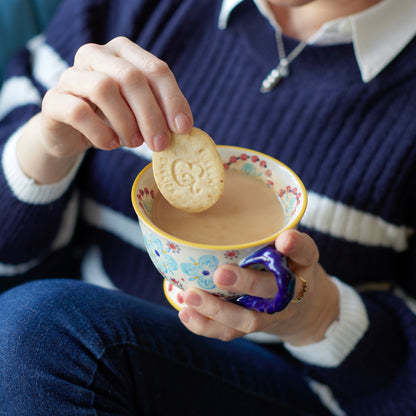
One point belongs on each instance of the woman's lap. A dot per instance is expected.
(69, 348)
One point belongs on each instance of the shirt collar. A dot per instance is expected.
(378, 34)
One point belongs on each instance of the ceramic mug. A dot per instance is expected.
(185, 264)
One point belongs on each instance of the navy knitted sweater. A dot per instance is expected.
(353, 144)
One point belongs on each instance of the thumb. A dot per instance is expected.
(299, 247)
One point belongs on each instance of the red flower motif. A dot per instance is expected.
(146, 191)
(141, 192)
(152, 193)
(254, 158)
(231, 254)
(174, 247)
(268, 173)
(243, 157)
(139, 197)
(263, 163)
(180, 298)
(288, 188)
(226, 165)
(233, 159)
(281, 192)
(271, 183)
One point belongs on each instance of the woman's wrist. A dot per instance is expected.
(35, 162)
(24, 188)
(340, 337)
(315, 313)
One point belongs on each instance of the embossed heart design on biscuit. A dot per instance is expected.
(187, 174)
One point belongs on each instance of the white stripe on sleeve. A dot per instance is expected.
(17, 92)
(47, 64)
(25, 189)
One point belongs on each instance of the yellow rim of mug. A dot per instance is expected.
(263, 241)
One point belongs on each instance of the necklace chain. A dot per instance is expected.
(282, 70)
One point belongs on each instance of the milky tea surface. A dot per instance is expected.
(249, 210)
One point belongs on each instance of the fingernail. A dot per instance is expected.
(184, 316)
(183, 123)
(136, 140)
(160, 141)
(227, 278)
(193, 299)
(115, 144)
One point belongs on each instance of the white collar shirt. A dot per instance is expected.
(378, 34)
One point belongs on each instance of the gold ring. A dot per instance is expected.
(305, 287)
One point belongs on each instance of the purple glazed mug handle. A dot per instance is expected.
(275, 262)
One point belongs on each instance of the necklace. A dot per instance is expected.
(282, 70)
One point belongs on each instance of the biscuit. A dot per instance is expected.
(189, 172)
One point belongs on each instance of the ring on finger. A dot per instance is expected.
(304, 290)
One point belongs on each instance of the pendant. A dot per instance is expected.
(275, 76)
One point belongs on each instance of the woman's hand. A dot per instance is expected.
(114, 95)
(299, 323)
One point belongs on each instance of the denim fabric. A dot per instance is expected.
(69, 348)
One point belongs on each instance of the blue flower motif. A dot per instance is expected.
(201, 270)
(250, 170)
(164, 263)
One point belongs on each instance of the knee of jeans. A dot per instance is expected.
(40, 319)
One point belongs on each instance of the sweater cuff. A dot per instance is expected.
(341, 336)
(24, 188)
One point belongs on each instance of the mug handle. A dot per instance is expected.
(275, 262)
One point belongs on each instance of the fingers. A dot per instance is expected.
(249, 281)
(215, 318)
(299, 247)
(115, 95)
(202, 325)
(144, 82)
(105, 95)
(120, 79)
(210, 316)
(163, 84)
(61, 110)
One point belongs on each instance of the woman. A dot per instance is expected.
(338, 110)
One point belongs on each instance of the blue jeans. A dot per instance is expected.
(70, 348)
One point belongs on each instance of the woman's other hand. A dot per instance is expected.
(299, 323)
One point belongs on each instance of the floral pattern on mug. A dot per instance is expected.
(290, 198)
(164, 263)
(173, 247)
(145, 199)
(252, 166)
(231, 254)
(202, 270)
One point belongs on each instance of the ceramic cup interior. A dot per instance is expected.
(185, 264)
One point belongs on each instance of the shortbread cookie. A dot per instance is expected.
(189, 172)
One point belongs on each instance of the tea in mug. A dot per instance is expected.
(249, 210)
